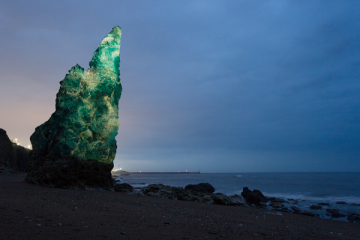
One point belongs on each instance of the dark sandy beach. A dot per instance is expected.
(30, 211)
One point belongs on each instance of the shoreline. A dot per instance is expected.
(83, 214)
(317, 207)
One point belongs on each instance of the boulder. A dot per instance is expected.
(296, 209)
(317, 207)
(341, 202)
(201, 187)
(276, 204)
(123, 187)
(354, 217)
(253, 197)
(221, 199)
(13, 158)
(163, 191)
(335, 213)
(76, 147)
(237, 200)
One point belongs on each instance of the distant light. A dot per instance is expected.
(15, 140)
(186, 170)
(29, 146)
(140, 170)
(120, 168)
(18, 143)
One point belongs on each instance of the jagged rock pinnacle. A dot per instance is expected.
(81, 132)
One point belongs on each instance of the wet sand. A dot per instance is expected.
(30, 211)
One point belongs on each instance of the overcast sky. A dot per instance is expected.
(219, 86)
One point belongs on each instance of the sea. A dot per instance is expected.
(307, 188)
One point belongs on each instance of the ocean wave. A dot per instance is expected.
(330, 199)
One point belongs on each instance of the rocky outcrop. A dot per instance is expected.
(335, 213)
(253, 197)
(201, 187)
(13, 158)
(191, 194)
(123, 187)
(76, 147)
(221, 199)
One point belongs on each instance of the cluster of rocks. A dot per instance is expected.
(202, 192)
(13, 158)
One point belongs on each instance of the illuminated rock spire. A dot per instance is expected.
(81, 132)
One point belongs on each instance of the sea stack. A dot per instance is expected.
(76, 147)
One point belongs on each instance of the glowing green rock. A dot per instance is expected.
(76, 146)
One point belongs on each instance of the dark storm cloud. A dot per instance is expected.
(236, 82)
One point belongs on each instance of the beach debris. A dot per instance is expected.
(76, 147)
(123, 187)
(253, 197)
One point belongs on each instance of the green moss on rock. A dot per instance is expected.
(82, 130)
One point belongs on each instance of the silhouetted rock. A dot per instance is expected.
(341, 202)
(335, 213)
(179, 193)
(324, 204)
(221, 199)
(354, 217)
(13, 158)
(76, 147)
(253, 197)
(164, 191)
(123, 187)
(201, 187)
(237, 200)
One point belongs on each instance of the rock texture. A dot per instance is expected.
(253, 197)
(76, 147)
(13, 158)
